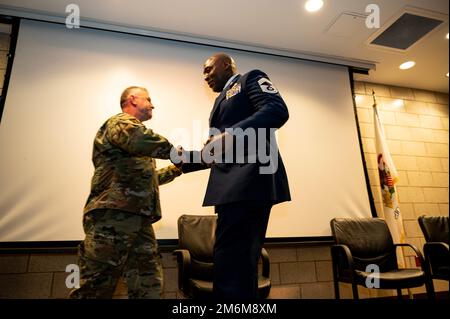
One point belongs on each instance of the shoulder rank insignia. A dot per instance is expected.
(267, 86)
(235, 89)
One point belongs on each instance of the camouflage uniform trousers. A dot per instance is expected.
(118, 243)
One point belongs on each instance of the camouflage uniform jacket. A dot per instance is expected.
(125, 176)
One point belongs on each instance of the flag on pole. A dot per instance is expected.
(388, 178)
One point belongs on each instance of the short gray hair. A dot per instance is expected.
(128, 91)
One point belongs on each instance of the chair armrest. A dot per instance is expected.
(436, 254)
(425, 267)
(414, 248)
(265, 263)
(342, 250)
(337, 249)
(435, 246)
(184, 266)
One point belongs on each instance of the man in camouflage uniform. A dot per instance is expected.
(123, 204)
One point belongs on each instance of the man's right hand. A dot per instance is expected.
(178, 156)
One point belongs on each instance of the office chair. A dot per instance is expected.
(436, 250)
(363, 245)
(196, 235)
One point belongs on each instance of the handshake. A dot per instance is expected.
(215, 146)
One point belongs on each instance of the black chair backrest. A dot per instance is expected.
(196, 233)
(435, 228)
(369, 241)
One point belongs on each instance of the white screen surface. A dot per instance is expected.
(66, 82)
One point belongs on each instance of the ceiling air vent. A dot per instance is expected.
(407, 29)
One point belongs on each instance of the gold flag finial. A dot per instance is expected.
(374, 99)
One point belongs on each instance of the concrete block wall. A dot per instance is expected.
(416, 128)
(4, 50)
(301, 272)
(296, 272)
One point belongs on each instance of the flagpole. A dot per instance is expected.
(401, 257)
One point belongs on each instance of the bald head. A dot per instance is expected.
(217, 70)
(226, 60)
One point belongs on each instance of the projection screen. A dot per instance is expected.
(66, 82)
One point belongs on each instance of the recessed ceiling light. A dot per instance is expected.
(446, 74)
(447, 36)
(407, 65)
(313, 5)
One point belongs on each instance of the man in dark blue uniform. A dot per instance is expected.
(248, 177)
